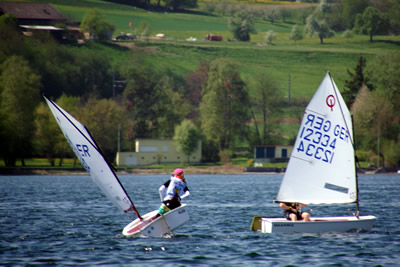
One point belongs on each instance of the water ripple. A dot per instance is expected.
(65, 220)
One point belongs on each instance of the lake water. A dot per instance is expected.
(65, 220)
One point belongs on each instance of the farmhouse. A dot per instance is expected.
(156, 151)
(33, 13)
(33, 18)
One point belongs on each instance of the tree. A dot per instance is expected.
(96, 25)
(385, 73)
(296, 33)
(372, 22)
(373, 121)
(318, 27)
(209, 7)
(284, 14)
(144, 29)
(241, 25)
(187, 137)
(154, 102)
(317, 23)
(266, 101)
(350, 9)
(169, 108)
(46, 132)
(194, 82)
(9, 31)
(139, 96)
(225, 104)
(102, 118)
(358, 79)
(271, 14)
(19, 96)
(270, 36)
(348, 34)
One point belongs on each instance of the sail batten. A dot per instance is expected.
(91, 157)
(321, 168)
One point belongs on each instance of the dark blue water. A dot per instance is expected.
(65, 220)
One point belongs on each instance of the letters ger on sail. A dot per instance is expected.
(321, 168)
(90, 156)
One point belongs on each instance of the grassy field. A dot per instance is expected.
(306, 61)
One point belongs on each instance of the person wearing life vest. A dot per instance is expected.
(172, 191)
(292, 211)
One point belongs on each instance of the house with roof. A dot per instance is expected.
(33, 13)
(39, 17)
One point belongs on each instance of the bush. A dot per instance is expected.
(250, 163)
(225, 156)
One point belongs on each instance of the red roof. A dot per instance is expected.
(22, 10)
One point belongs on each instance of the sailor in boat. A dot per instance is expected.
(172, 191)
(292, 211)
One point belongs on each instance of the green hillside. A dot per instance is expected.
(306, 61)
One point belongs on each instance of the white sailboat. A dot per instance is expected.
(321, 169)
(102, 173)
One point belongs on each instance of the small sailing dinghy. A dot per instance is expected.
(321, 168)
(102, 173)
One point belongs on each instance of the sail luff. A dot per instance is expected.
(94, 161)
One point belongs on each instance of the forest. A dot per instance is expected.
(117, 89)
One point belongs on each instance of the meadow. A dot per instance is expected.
(305, 61)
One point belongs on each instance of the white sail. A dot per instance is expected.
(91, 157)
(321, 168)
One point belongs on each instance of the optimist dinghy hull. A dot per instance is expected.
(316, 225)
(159, 227)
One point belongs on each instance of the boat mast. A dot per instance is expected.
(354, 148)
(356, 162)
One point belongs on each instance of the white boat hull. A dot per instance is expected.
(159, 227)
(316, 225)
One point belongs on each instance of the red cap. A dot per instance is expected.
(178, 172)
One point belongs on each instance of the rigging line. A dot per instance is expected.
(97, 148)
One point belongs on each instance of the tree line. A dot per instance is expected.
(211, 103)
(329, 17)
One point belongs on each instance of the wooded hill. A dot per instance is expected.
(149, 86)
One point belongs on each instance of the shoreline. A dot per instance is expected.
(225, 169)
